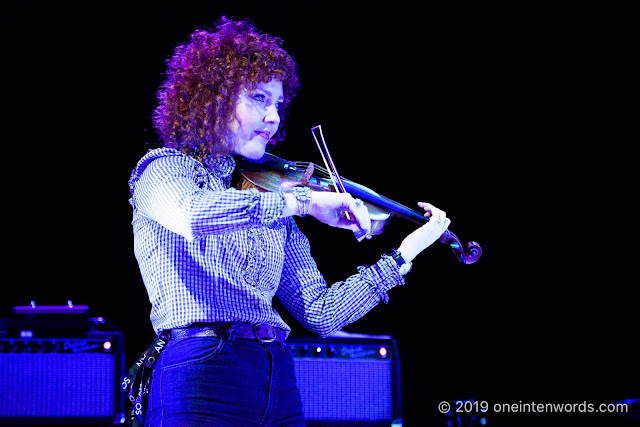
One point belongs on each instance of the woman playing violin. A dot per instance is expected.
(213, 257)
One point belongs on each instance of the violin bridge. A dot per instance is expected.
(307, 175)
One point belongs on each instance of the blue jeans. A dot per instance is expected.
(209, 381)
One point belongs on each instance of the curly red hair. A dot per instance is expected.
(203, 79)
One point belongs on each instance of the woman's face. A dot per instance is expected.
(256, 119)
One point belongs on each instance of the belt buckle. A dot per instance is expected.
(255, 333)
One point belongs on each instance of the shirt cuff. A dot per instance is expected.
(382, 276)
(266, 207)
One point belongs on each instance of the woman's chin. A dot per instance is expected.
(251, 151)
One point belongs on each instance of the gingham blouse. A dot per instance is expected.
(209, 253)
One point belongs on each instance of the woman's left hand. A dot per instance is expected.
(426, 235)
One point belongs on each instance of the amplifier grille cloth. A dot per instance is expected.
(57, 385)
(339, 389)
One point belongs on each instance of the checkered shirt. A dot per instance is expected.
(210, 253)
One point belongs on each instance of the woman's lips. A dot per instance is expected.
(266, 135)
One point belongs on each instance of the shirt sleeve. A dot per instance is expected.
(325, 309)
(171, 192)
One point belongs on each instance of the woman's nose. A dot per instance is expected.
(272, 115)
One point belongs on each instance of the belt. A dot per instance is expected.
(259, 331)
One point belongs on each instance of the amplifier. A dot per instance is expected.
(348, 381)
(62, 380)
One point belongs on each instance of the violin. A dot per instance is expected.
(271, 173)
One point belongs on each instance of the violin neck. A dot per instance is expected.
(395, 208)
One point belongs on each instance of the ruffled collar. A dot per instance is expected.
(221, 166)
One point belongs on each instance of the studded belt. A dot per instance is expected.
(258, 331)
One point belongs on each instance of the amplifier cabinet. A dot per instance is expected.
(62, 380)
(348, 381)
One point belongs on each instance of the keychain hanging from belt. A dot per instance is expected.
(137, 379)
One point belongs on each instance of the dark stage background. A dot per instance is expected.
(492, 112)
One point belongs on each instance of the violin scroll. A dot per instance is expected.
(468, 255)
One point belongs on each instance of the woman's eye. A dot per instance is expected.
(259, 97)
(279, 106)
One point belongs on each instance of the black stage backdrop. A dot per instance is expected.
(505, 116)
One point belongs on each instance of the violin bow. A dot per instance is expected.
(316, 131)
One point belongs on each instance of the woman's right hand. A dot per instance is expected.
(340, 210)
